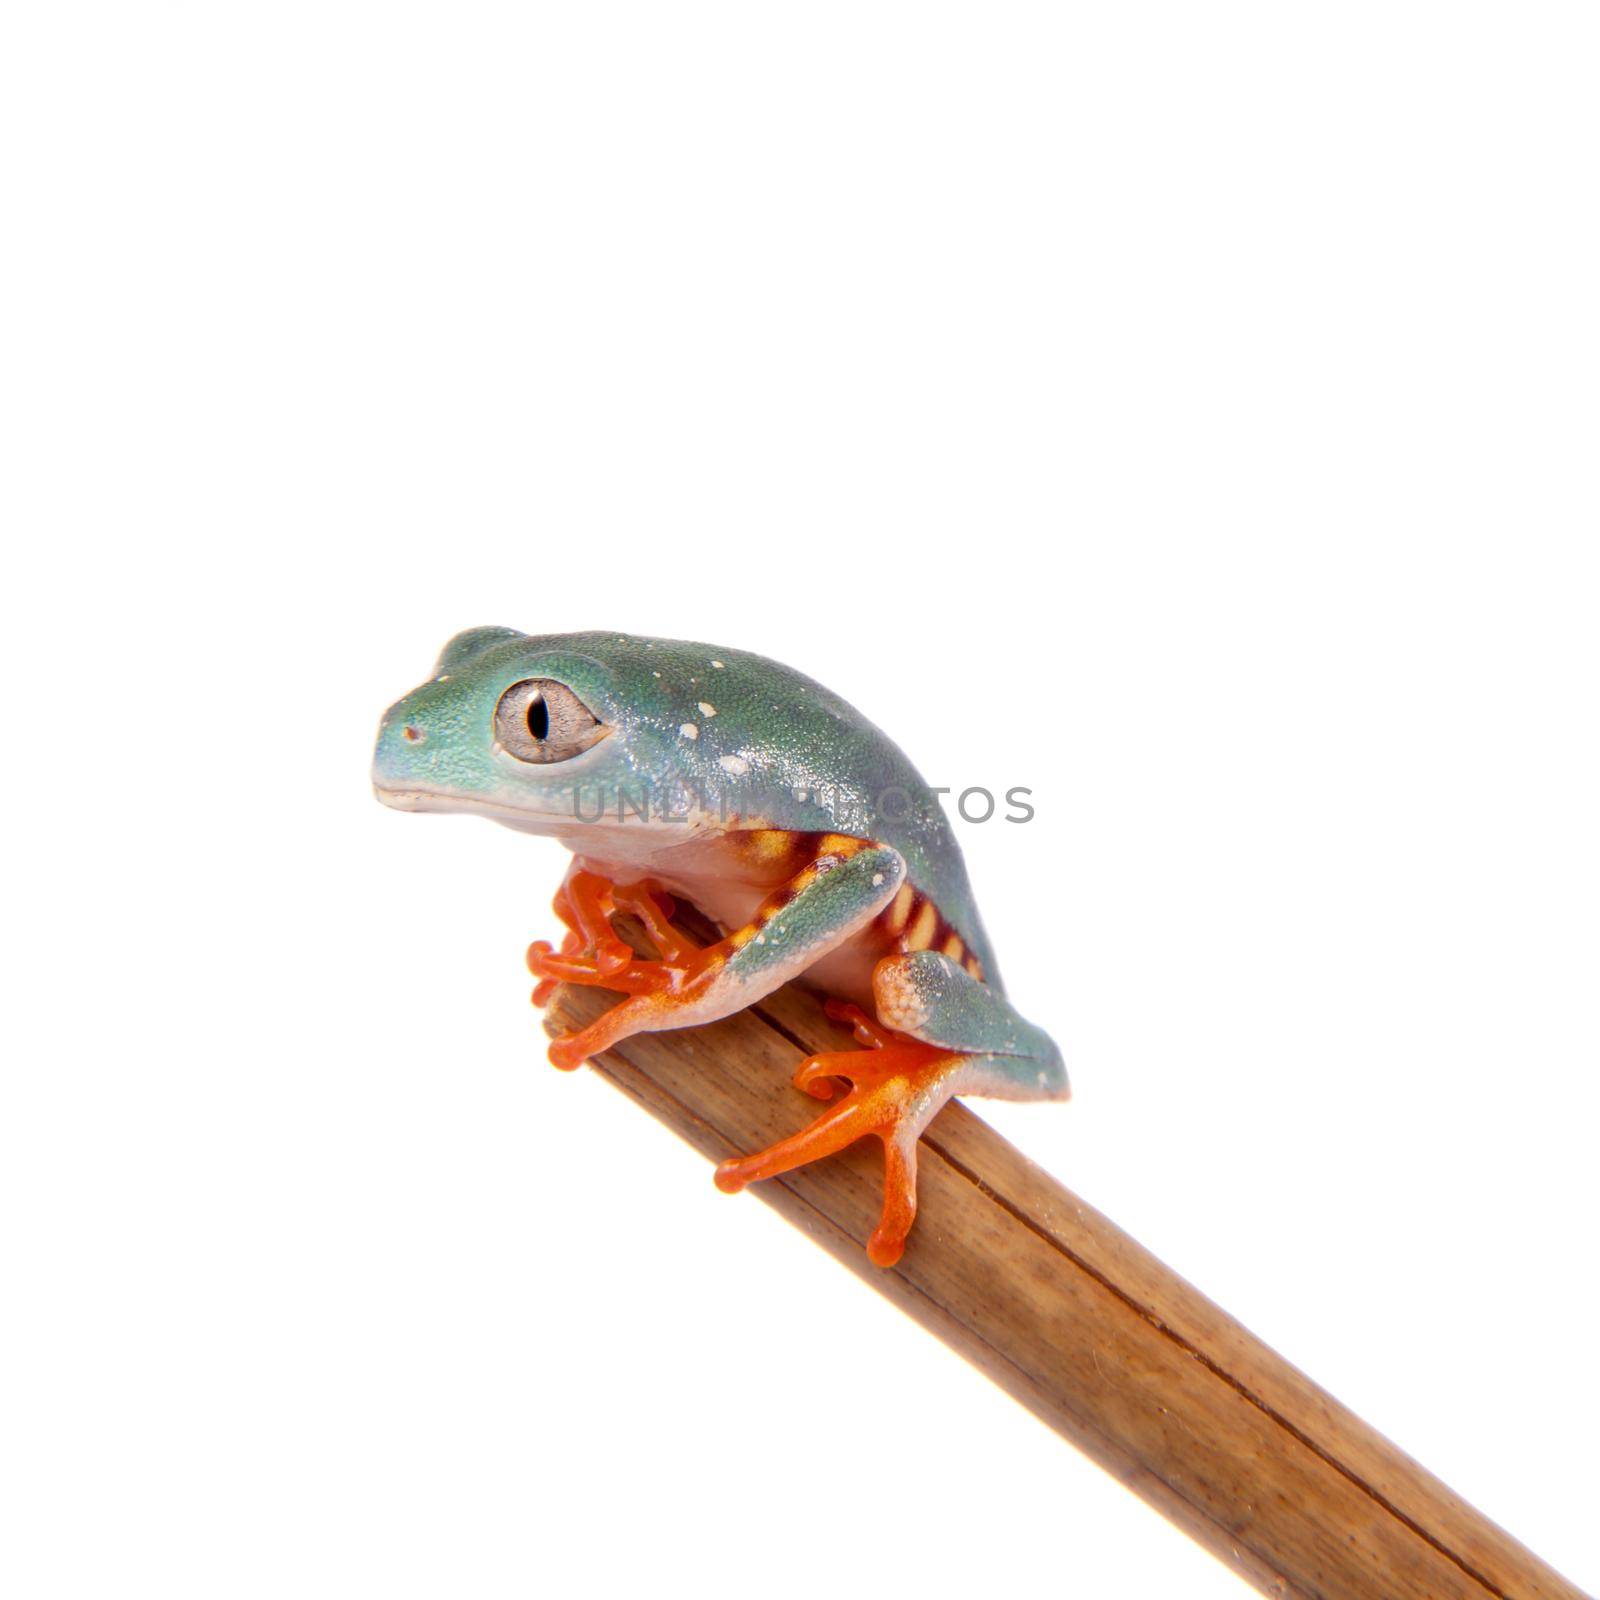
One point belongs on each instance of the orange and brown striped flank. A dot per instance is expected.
(821, 852)
(912, 921)
(774, 852)
(782, 852)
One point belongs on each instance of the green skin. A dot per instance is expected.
(702, 741)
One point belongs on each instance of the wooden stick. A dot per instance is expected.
(1088, 1330)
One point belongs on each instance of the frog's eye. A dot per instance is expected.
(542, 720)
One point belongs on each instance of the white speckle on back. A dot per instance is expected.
(689, 731)
(655, 674)
(801, 794)
(737, 765)
(717, 665)
(877, 878)
(707, 709)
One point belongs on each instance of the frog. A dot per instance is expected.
(676, 772)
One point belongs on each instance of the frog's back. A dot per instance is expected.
(768, 747)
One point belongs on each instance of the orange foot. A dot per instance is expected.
(898, 1085)
(592, 954)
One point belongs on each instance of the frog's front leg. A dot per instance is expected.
(942, 1033)
(592, 954)
(846, 884)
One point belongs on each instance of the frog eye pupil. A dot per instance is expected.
(539, 718)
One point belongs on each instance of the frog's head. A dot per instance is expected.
(520, 728)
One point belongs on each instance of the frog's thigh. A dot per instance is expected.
(831, 900)
(928, 996)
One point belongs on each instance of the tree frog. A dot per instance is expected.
(672, 769)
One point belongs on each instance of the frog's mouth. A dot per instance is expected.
(400, 797)
(623, 837)
(409, 799)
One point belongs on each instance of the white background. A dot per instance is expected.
(1189, 412)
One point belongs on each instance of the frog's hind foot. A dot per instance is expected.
(592, 955)
(938, 1032)
(897, 1086)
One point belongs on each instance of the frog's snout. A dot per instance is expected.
(395, 762)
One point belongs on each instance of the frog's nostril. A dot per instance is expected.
(412, 733)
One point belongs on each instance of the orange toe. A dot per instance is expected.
(895, 1091)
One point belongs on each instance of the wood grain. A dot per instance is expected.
(1087, 1329)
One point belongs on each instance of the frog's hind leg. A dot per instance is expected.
(943, 1033)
